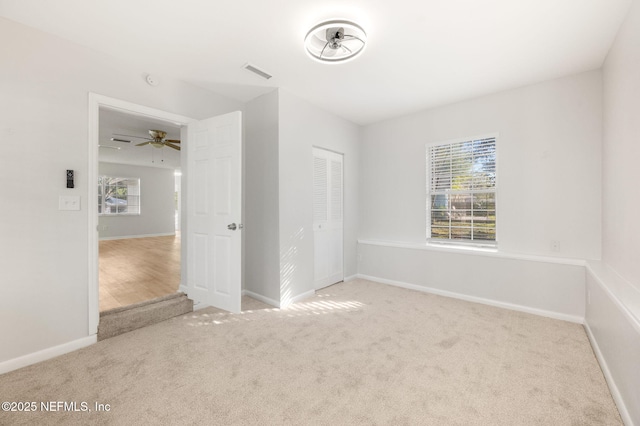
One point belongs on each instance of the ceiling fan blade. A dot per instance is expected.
(120, 140)
(352, 37)
(170, 145)
(131, 136)
(323, 49)
(172, 140)
(143, 143)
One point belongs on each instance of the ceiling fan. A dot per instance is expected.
(156, 140)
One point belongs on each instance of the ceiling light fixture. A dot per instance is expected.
(335, 41)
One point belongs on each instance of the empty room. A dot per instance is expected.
(306, 212)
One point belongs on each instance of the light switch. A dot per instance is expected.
(69, 202)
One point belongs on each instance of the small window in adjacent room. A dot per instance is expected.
(461, 191)
(118, 196)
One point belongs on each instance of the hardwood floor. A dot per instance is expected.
(138, 269)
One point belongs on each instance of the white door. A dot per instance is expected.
(214, 200)
(327, 217)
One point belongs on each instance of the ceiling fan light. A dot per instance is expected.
(335, 41)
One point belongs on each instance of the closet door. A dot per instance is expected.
(328, 217)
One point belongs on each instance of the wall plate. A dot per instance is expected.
(69, 202)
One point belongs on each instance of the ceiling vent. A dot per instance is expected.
(258, 71)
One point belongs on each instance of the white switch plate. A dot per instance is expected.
(69, 202)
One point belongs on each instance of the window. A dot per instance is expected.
(461, 191)
(118, 196)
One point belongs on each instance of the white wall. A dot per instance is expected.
(157, 202)
(548, 189)
(303, 126)
(45, 83)
(543, 288)
(613, 316)
(548, 166)
(621, 149)
(261, 225)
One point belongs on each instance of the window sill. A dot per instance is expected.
(486, 248)
(473, 251)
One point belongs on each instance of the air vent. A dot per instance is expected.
(258, 71)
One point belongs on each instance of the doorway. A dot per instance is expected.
(139, 239)
(211, 268)
(96, 104)
(328, 213)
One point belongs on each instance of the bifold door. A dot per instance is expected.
(328, 209)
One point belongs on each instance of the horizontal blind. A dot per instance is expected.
(463, 166)
(461, 190)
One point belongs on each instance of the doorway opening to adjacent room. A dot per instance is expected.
(139, 167)
(210, 202)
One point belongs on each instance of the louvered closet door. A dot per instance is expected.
(328, 217)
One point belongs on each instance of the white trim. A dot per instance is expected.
(613, 275)
(474, 251)
(297, 298)
(95, 101)
(126, 237)
(261, 298)
(615, 392)
(490, 302)
(92, 209)
(182, 288)
(350, 278)
(45, 354)
(199, 305)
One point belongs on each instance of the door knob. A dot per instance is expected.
(232, 226)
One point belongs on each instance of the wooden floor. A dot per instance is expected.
(137, 269)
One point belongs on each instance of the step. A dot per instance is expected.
(127, 318)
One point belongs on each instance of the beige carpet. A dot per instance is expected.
(356, 353)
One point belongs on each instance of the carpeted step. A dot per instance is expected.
(122, 320)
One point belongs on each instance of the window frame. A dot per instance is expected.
(101, 205)
(480, 244)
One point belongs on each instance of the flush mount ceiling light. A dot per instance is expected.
(335, 41)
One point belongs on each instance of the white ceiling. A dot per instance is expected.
(115, 122)
(420, 53)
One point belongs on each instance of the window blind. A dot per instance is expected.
(461, 190)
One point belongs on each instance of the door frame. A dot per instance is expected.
(97, 101)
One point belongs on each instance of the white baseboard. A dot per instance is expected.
(615, 392)
(261, 298)
(491, 302)
(183, 289)
(303, 296)
(350, 278)
(199, 305)
(125, 237)
(297, 298)
(45, 354)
